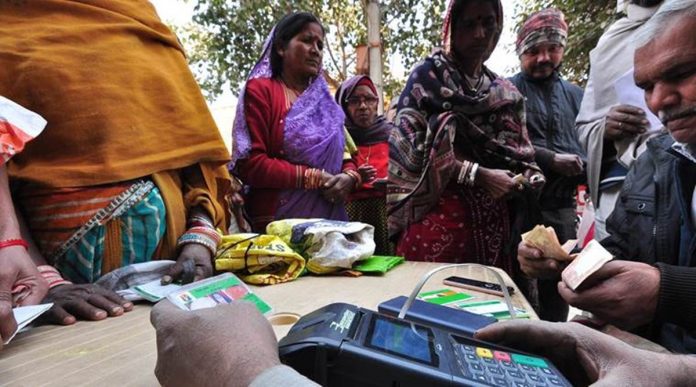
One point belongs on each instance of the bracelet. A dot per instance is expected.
(463, 172)
(199, 239)
(200, 221)
(14, 242)
(472, 175)
(355, 175)
(208, 232)
(312, 178)
(52, 276)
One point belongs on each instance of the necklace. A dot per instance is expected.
(469, 84)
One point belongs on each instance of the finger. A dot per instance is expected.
(524, 335)
(528, 252)
(174, 272)
(103, 303)
(332, 182)
(37, 294)
(164, 313)
(629, 109)
(81, 308)
(115, 298)
(8, 325)
(202, 272)
(57, 315)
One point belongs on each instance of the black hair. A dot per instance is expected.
(646, 3)
(285, 30)
(458, 8)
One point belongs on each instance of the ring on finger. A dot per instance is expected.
(620, 125)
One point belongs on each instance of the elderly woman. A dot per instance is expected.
(461, 152)
(358, 98)
(288, 134)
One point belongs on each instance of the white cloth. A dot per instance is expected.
(612, 58)
(281, 375)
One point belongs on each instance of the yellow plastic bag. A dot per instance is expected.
(259, 259)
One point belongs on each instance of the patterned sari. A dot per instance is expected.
(440, 121)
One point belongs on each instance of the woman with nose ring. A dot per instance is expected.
(461, 163)
(289, 144)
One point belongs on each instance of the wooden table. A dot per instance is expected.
(122, 352)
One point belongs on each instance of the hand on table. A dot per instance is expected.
(88, 302)
(338, 187)
(586, 356)
(535, 265)
(567, 164)
(621, 293)
(227, 345)
(193, 264)
(625, 121)
(17, 269)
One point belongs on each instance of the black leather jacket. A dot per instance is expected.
(651, 224)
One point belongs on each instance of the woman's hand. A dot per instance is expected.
(193, 264)
(337, 188)
(498, 182)
(367, 172)
(88, 302)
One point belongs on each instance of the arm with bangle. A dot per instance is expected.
(20, 281)
(197, 248)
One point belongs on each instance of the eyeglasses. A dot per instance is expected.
(357, 101)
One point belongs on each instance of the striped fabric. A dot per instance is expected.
(137, 236)
(54, 215)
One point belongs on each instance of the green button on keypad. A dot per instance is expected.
(528, 360)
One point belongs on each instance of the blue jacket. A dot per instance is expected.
(651, 223)
(551, 106)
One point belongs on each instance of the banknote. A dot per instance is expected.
(590, 259)
(545, 239)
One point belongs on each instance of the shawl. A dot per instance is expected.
(114, 85)
(438, 117)
(378, 131)
(611, 59)
(313, 136)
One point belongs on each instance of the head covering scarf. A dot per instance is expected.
(545, 26)
(379, 130)
(313, 136)
(437, 113)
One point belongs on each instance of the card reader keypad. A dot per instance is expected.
(505, 369)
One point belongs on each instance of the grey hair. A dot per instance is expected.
(667, 14)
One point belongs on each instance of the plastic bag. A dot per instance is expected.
(259, 259)
(17, 127)
(328, 245)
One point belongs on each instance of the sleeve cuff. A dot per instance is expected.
(281, 375)
(544, 158)
(676, 303)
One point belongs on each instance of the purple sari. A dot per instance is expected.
(313, 136)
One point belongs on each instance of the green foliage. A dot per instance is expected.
(587, 20)
(226, 37)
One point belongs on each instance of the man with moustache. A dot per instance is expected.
(654, 222)
(551, 106)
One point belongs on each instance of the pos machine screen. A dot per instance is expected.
(402, 339)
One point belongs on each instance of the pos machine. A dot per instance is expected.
(344, 345)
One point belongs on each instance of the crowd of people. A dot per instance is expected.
(131, 168)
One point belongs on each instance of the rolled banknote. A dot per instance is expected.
(591, 259)
(546, 240)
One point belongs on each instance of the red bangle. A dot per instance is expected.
(14, 242)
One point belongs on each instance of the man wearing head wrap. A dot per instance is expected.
(551, 107)
(612, 134)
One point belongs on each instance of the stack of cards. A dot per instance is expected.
(222, 289)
